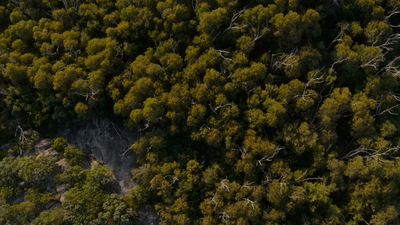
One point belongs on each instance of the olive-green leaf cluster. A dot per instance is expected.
(250, 112)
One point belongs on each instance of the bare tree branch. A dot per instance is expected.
(284, 60)
(392, 13)
(204, 126)
(246, 185)
(267, 158)
(223, 216)
(221, 52)
(174, 178)
(256, 33)
(215, 109)
(223, 185)
(71, 4)
(213, 200)
(339, 37)
(314, 79)
(374, 61)
(249, 201)
(146, 125)
(392, 67)
(366, 152)
(388, 110)
(233, 24)
(194, 5)
(243, 151)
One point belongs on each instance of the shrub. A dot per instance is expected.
(75, 156)
(58, 143)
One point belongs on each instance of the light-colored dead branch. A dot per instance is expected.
(246, 185)
(242, 151)
(146, 125)
(269, 158)
(389, 110)
(223, 185)
(215, 109)
(257, 32)
(226, 51)
(194, 5)
(392, 13)
(286, 60)
(339, 37)
(224, 216)
(233, 24)
(367, 152)
(315, 78)
(212, 201)
(204, 126)
(392, 67)
(71, 4)
(248, 201)
(173, 180)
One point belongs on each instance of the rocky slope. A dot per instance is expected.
(107, 144)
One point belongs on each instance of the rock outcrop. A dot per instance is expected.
(42, 145)
(148, 215)
(109, 145)
(105, 143)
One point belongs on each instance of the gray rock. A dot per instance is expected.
(62, 198)
(26, 154)
(42, 145)
(16, 199)
(49, 152)
(52, 204)
(61, 165)
(148, 215)
(53, 191)
(109, 145)
(61, 189)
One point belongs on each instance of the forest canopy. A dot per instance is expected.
(250, 112)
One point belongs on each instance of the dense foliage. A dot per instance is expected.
(31, 187)
(251, 112)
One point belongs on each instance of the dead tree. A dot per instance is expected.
(71, 4)
(248, 201)
(388, 110)
(146, 125)
(257, 32)
(242, 151)
(284, 60)
(224, 216)
(205, 126)
(268, 158)
(392, 67)
(215, 109)
(221, 52)
(90, 91)
(212, 201)
(246, 185)
(374, 61)
(315, 78)
(339, 37)
(173, 180)
(307, 179)
(194, 5)
(223, 185)
(233, 24)
(365, 151)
